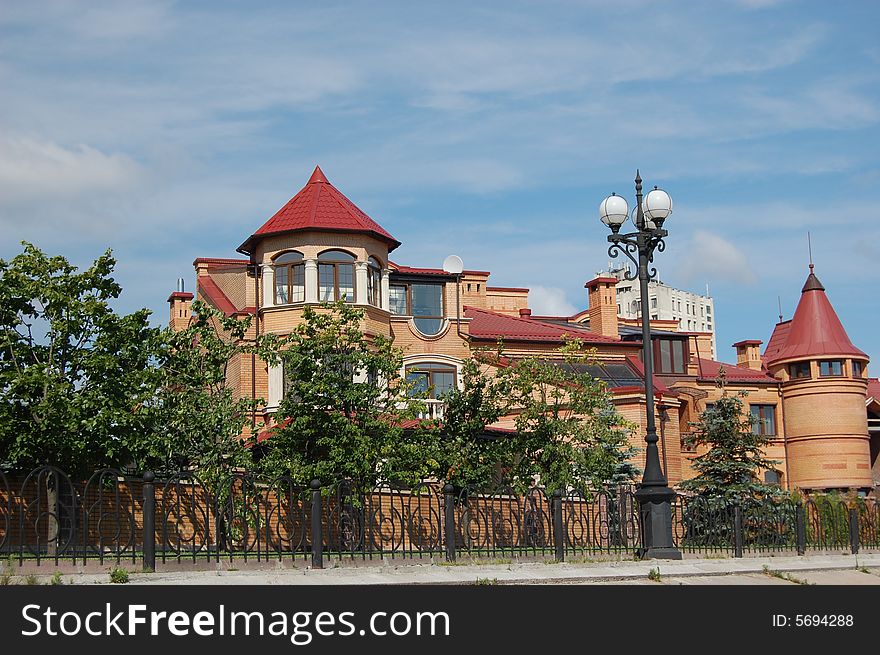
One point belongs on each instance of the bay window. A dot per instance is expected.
(424, 302)
(289, 278)
(336, 276)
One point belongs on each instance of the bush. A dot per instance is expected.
(119, 576)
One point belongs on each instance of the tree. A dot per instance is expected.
(72, 372)
(729, 469)
(197, 421)
(569, 433)
(466, 455)
(345, 406)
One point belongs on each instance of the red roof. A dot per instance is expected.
(815, 330)
(220, 261)
(709, 369)
(639, 367)
(210, 291)
(180, 295)
(600, 280)
(414, 270)
(874, 390)
(319, 206)
(493, 326)
(777, 340)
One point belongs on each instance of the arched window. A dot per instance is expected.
(336, 276)
(374, 282)
(290, 278)
(434, 378)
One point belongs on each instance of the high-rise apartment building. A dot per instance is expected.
(694, 312)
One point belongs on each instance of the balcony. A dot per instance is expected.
(434, 409)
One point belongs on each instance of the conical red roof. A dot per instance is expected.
(815, 330)
(319, 206)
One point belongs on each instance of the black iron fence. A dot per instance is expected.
(47, 517)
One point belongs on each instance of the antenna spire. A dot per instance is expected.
(779, 300)
(810, 250)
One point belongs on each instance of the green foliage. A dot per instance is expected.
(466, 456)
(31, 580)
(568, 432)
(196, 419)
(729, 469)
(345, 405)
(654, 574)
(56, 579)
(85, 388)
(119, 576)
(72, 371)
(6, 575)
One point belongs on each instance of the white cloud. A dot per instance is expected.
(549, 301)
(712, 257)
(35, 168)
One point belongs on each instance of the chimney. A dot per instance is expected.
(525, 312)
(180, 307)
(602, 295)
(748, 354)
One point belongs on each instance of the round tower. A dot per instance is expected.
(823, 396)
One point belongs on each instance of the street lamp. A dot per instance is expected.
(654, 495)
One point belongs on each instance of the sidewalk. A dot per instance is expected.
(814, 569)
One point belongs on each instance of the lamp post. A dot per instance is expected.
(654, 495)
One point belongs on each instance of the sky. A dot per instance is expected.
(492, 130)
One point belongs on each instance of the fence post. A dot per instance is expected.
(623, 515)
(149, 522)
(854, 530)
(317, 535)
(558, 530)
(737, 530)
(449, 521)
(801, 528)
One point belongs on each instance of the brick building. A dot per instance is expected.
(808, 390)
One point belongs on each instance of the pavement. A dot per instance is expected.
(837, 569)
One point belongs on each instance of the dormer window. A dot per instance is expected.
(670, 356)
(336, 276)
(289, 278)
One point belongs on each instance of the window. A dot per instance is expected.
(799, 370)
(374, 282)
(397, 299)
(289, 278)
(708, 311)
(856, 369)
(653, 303)
(424, 302)
(336, 276)
(670, 356)
(773, 477)
(433, 379)
(830, 368)
(764, 420)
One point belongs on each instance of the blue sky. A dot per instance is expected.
(169, 131)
